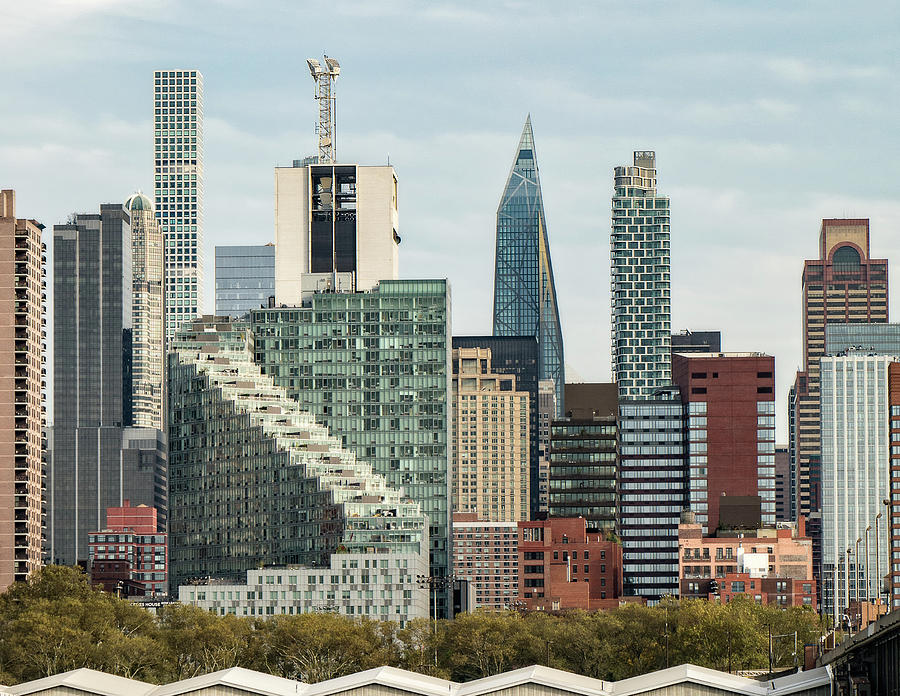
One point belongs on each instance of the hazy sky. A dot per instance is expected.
(765, 117)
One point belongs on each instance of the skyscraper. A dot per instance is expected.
(640, 280)
(845, 286)
(96, 461)
(245, 278)
(21, 404)
(524, 289)
(178, 168)
(147, 314)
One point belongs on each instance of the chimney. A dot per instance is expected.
(7, 203)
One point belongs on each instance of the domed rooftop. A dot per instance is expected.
(138, 201)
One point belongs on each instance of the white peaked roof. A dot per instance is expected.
(88, 680)
(253, 683)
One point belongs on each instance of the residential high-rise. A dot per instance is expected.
(856, 471)
(783, 508)
(524, 289)
(374, 367)
(21, 404)
(96, 461)
(546, 413)
(843, 286)
(517, 356)
(891, 517)
(178, 181)
(489, 440)
(652, 461)
(729, 401)
(640, 280)
(147, 336)
(486, 555)
(336, 228)
(255, 479)
(245, 278)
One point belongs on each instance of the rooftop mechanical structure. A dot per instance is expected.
(325, 77)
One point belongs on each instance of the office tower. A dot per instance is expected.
(582, 479)
(97, 461)
(336, 227)
(687, 341)
(640, 281)
(147, 314)
(178, 169)
(21, 405)
(652, 491)
(856, 441)
(783, 492)
(488, 440)
(843, 286)
(546, 413)
(486, 554)
(729, 401)
(129, 557)
(524, 289)
(374, 367)
(255, 480)
(245, 278)
(518, 356)
(881, 339)
(563, 565)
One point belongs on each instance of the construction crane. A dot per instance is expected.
(324, 77)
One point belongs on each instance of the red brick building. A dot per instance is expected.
(785, 592)
(562, 566)
(129, 557)
(486, 554)
(730, 407)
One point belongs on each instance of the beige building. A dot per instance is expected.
(489, 439)
(146, 314)
(335, 228)
(21, 406)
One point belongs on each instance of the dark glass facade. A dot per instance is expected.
(245, 278)
(519, 356)
(524, 289)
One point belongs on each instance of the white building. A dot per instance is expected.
(335, 228)
(640, 281)
(178, 182)
(855, 475)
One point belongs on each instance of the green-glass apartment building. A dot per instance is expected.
(374, 367)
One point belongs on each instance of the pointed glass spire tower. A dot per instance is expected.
(524, 290)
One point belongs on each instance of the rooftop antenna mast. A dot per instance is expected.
(325, 77)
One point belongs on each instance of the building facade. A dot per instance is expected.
(855, 437)
(131, 549)
(148, 334)
(245, 278)
(843, 286)
(564, 566)
(178, 181)
(524, 288)
(336, 228)
(489, 440)
(652, 463)
(687, 341)
(21, 405)
(729, 401)
(783, 491)
(545, 415)
(640, 280)
(374, 367)
(774, 566)
(518, 356)
(255, 479)
(486, 554)
(891, 519)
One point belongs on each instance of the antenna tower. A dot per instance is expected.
(324, 77)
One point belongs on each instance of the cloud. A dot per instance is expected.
(808, 72)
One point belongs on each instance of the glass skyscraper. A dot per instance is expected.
(640, 281)
(245, 278)
(524, 289)
(374, 367)
(178, 169)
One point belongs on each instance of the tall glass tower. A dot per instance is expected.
(641, 281)
(178, 174)
(524, 290)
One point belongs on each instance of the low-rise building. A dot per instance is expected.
(487, 555)
(563, 566)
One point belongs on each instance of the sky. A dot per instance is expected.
(765, 118)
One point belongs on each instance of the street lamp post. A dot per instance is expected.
(856, 570)
(434, 583)
(889, 528)
(868, 576)
(847, 586)
(878, 566)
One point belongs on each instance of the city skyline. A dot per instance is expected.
(764, 130)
